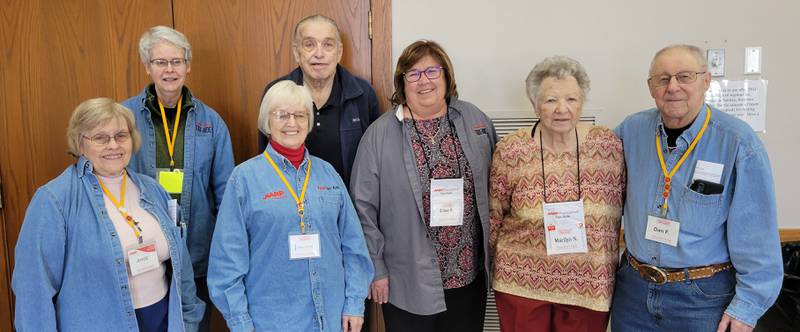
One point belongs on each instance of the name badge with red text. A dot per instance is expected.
(143, 258)
(447, 202)
(303, 246)
(662, 230)
(564, 228)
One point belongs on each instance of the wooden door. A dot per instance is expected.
(5, 279)
(54, 55)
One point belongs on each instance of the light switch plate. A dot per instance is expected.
(752, 60)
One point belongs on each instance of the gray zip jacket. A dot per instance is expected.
(386, 191)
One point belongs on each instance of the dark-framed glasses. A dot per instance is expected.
(103, 139)
(431, 73)
(163, 63)
(284, 116)
(684, 77)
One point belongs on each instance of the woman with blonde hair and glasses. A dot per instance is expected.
(98, 250)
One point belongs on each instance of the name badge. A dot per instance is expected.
(303, 246)
(143, 258)
(662, 230)
(564, 228)
(447, 202)
(172, 181)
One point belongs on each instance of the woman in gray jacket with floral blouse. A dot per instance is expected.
(420, 187)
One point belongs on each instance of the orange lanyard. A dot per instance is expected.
(120, 204)
(668, 174)
(298, 201)
(171, 139)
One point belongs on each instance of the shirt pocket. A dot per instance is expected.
(700, 214)
(203, 154)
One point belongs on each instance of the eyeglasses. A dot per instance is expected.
(162, 63)
(684, 77)
(103, 139)
(328, 45)
(431, 73)
(284, 116)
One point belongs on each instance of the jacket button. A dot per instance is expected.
(124, 287)
(119, 261)
(113, 234)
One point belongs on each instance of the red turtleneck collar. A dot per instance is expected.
(295, 156)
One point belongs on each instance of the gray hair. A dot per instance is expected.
(316, 18)
(96, 112)
(281, 94)
(696, 52)
(159, 34)
(556, 66)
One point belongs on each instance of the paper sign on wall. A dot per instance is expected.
(746, 100)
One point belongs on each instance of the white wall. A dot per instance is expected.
(494, 44)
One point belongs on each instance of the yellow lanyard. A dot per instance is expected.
(121, 206)
(299, 201)
(171, 140)
(668, 175)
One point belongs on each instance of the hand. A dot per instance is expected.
(735, 325)
(379, 291)
(352, 323)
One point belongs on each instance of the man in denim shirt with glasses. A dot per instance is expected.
(700, 219)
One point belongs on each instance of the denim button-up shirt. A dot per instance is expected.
(739, 225)
(207, 160)
(70, 272)
(251, 279)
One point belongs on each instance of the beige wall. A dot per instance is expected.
(493, 45)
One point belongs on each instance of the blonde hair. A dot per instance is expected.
(96, 112)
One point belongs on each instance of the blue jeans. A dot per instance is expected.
(693, 305)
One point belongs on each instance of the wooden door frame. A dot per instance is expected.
(382, 51)
(6, 302)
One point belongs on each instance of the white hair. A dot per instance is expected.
(159, 34)
(284, 93)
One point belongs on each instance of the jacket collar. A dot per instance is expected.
(84, 167)
(281, 160)
(350, 87)
(150, 100)
(690, 133)
(454, 111)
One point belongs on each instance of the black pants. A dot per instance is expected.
(202, 293)
(466, 307)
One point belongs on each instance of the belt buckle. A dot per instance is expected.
(653, 274)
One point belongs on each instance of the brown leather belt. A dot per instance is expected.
(661, 276)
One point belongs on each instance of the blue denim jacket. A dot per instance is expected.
(207, 160)
(740, 225)
(251, 279)
(70, 272)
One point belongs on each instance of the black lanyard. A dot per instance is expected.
(422, 145)
(541, 150)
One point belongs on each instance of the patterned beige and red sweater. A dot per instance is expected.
(521, 265)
